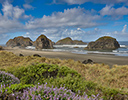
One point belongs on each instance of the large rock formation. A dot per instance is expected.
(103, 43)
(42, 42)
(20, 41)
(69, 41)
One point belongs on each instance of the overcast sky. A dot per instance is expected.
(84, 20)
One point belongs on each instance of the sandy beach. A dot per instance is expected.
(97, 58)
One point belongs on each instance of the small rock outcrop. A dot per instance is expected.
(89, 61)
(103, 43)
(21, 55)
(36, 55)
(42, 42)
(69, 41)
(19, 41)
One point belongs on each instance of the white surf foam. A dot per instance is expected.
(30, 47)
(123, 46)
(70, 46)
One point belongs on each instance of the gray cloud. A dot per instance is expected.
(124, 29)
(13, 12)
(9, 18)
(111, 11)
(28, 6)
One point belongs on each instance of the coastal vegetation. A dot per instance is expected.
(94, 81)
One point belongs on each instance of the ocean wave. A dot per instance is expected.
(30, 47)
(80, 50)
(70, 46)
(118, 51)
(123, 46)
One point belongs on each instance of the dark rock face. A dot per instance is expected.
(42, 42)
(53, 43)
(89, 61)
(1, 48)
(69, 41)
(103, 43)
(21, 55)
(36, 55)
(19, 41)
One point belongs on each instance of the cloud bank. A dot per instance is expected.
(74, 17)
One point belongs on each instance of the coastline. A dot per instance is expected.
(97, 58)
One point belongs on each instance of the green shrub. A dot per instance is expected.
(113, 94)
(16, 88)
(75, 84)
(39, 72)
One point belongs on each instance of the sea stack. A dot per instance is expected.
(103, 43)
(20, 41)
(69, 41)
(42, 42)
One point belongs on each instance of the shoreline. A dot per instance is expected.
(97, 58)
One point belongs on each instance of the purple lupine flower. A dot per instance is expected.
(15, 79)
(43, 92)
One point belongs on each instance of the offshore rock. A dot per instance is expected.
(103, 43)
(42, 42)
(19, 41)
(69, 41)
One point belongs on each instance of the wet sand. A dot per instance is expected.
(97, 58)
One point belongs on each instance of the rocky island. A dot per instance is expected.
(69, 41)
(103, 43)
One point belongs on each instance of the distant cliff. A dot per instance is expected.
(103, 43)
(69, 41)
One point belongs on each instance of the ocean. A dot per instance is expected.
(79, 49)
